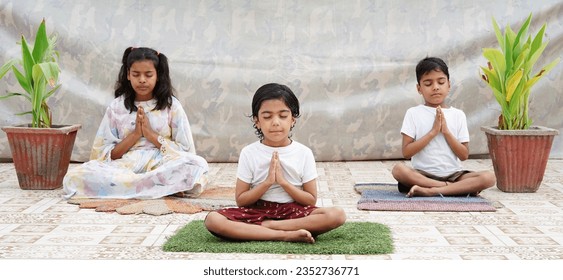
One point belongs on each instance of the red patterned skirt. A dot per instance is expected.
(266, 210)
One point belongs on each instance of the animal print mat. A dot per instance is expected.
(211, 198)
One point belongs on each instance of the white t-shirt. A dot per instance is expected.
(297, 162)
(437, 157)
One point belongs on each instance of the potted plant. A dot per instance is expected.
(518, 150)
(41, 151)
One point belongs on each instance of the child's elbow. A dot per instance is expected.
(241, 203)
(464, 157)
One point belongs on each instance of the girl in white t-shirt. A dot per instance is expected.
(435, 138)
(276, 188)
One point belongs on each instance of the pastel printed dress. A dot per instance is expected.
(144, 172)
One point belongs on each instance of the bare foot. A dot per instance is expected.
(300, 235)
(416, 191)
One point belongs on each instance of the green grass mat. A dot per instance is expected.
(352, 238)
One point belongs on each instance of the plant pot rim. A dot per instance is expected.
(533, 130)
(55, 129)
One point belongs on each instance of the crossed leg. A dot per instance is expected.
(303, 229)
(469, 183)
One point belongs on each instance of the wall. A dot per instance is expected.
(351, 63)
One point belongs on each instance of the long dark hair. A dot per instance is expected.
(269, 92)
(163, 90)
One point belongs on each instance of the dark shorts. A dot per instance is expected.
(450, 178)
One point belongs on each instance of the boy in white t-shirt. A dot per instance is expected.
(276, 188)
(435, 138)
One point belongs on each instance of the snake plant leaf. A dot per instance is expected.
(512, 83)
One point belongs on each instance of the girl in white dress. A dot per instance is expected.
(144, 146)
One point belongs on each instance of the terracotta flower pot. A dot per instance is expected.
(519, 157)
(41, 155)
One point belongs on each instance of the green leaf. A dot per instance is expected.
(537, 43)
(510, 36)
(24, 113)
(522, 56)
(7, 67)
(508, 55)
(513, 83)
(22, 80)
(41, 43)
(37, 100)
(47, 70)
(498, 33)
(541, 73)
(512, 64)
(35, 69)
(500, 99)
(515, 103)
(51, 92)
(522, 33)
(28, 62)
(492, 79)
(529, 65)
(496, 58)
(10, 95)
(45, 117)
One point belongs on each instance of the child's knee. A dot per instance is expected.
(397, 170)
(211, 219)
(487, 179)
(338, 216)
(490, 178)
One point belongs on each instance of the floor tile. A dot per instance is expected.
(42, 225)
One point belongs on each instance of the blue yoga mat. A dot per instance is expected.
(392, 200)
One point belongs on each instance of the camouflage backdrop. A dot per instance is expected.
(351, 63)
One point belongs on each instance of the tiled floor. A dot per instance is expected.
(41, 225)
